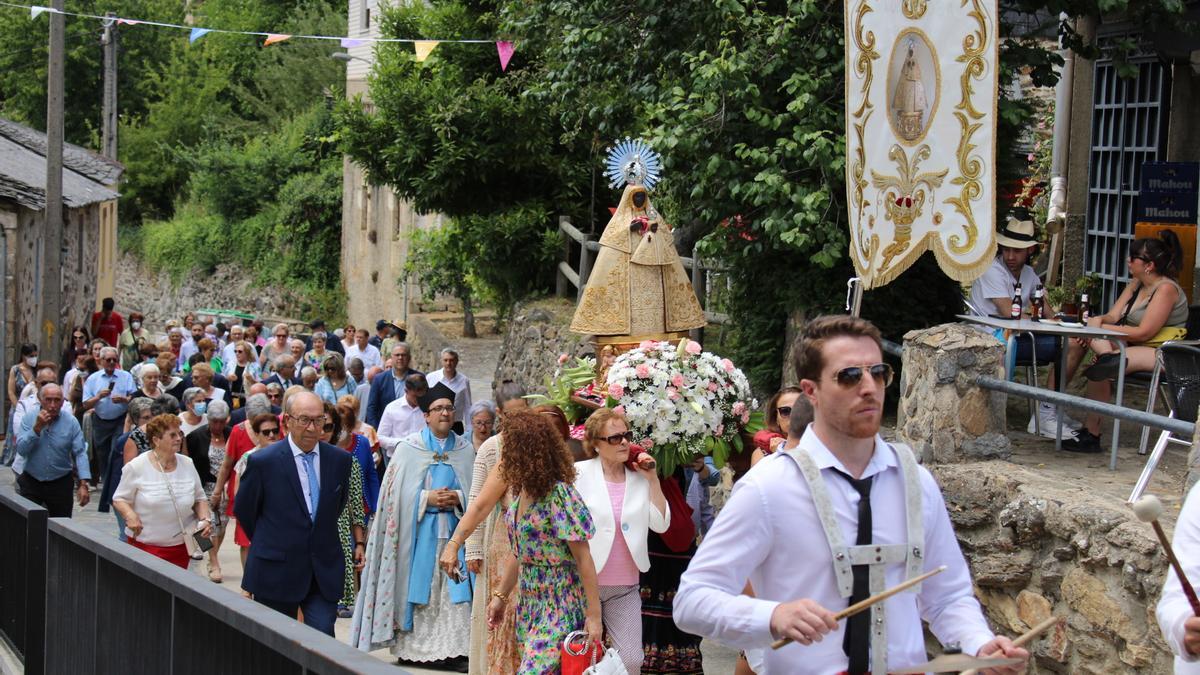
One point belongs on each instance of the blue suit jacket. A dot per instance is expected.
(288, 549)
(383, 392)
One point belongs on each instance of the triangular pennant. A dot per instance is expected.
(198, 33)
(272, 38)
(36, 11)
(505, 50)
(347, 43)
(127, 22)
(423, 48)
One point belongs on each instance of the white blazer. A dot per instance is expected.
(637, 513)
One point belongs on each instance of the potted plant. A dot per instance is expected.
(1089, 284)
(1056, 297)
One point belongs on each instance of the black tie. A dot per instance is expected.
(857, 641)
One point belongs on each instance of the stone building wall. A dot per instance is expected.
(537, 334)
(426, 342)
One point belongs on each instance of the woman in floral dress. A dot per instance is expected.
(350, 521)
(548, 527)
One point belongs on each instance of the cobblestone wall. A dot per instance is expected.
(536, 335)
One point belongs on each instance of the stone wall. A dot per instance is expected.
(426, 343)
(1038, 545)
(157, 296)
(945, 416)
(536, 335)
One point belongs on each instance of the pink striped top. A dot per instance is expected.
(619, 569)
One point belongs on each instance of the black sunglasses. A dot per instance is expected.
(616, 439)
(784, 411)
(269, 431)
(850, 377)
(328, 427)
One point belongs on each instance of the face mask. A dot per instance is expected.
(201, 407)
(31, 361)
(135, 324)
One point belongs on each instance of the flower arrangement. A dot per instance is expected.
(681, 401)
(567, 379)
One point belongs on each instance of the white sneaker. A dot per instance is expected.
(1049, 424)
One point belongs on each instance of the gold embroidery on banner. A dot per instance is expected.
(970, 167)
(904, 196)
(913, 9)
(864, 248)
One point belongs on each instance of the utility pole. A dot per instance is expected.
(52, 233)
(108, 143)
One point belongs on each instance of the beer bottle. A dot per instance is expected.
(1037, 304)
(1085, 310)
(1016, 303)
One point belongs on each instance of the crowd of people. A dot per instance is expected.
(478, 536)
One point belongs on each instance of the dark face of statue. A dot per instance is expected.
(639, 199)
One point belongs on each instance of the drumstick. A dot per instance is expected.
(1148, 509)
(865, 603)
(1025, 638)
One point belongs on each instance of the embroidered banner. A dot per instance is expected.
(921, 89)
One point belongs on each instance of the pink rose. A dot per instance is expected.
(677, 379)
(727, 365)
(615, 390)
(693, 347)
(720, 430)
(672, 393)
(739, 408)
(647, 443)
(712, 386)
(746, 417)
(646, 344)
(578, 432)
(643, 370)
(562, 358)
(620, 410)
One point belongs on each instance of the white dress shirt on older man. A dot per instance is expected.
(399, 421)
(461, 387)
(769, 534)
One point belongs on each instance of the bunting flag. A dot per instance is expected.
(505, 49)
(423, 48)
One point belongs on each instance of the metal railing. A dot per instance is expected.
(568, 276)
(23, 579)
(111, 608)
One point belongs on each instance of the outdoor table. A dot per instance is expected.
(1045, 327)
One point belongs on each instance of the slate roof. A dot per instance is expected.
(23, 170)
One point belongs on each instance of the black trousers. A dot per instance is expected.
(56, 495)
(103, 433)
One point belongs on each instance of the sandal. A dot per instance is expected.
(214, 573)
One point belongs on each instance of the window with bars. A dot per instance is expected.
(1129, 124)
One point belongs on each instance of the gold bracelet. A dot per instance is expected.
(503, 597)
(452, 541)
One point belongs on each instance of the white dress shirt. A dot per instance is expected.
(769, 534)
(302, 468)
(462, 390)
(399, 421)
(1173, 608)
(370, 356)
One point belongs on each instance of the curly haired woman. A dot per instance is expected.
(548, 526)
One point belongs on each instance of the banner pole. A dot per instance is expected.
(854, 291)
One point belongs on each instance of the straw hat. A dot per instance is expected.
(1017, 234)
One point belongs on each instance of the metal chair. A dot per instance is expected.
(1150, 380)
(1177, 376)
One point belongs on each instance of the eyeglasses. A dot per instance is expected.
(305, 421)
(441, 409)
(616, 439)
(239, 351)
(274, 396)
(79, 337)
(850, 377)
(328, 427)
(1143, 258)
(109, 360)
(269, 431)
(784, 411)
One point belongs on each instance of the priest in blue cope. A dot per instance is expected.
(405, 603)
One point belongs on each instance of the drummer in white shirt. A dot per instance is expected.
(458, 382)
(772, 533)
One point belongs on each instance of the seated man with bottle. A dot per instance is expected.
(1010, 289)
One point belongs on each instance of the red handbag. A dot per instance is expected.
(681, 533)
(576, 657)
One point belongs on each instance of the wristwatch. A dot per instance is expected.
(361, 543)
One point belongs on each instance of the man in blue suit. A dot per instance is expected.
(288, 503)
(389, 386)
